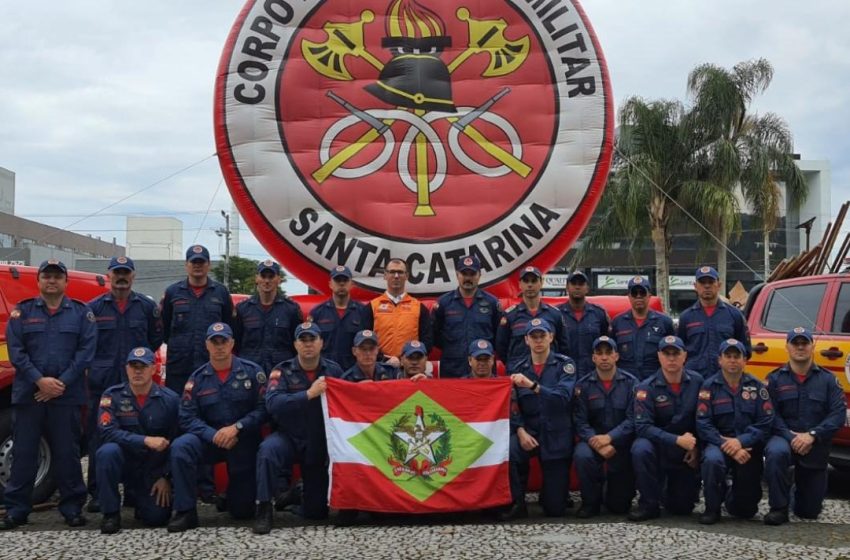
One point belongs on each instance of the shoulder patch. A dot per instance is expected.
(156, 312)
(261, 377)
(511, 308)
(106, 401)
(640, 395)
(503, 321)
(569, 369)
(704, 395)
(765, 395)
(15, 314)
(275, 374)
(90, 317)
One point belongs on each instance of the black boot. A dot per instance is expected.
(777, 516)
(183, 521)
(643, 514)
(263, 520)
(709, 517)
(586, 511)
(517, 510)
(110, 524)
(93, 505)
(345, 517)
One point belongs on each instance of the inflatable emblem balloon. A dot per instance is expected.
(353, 132)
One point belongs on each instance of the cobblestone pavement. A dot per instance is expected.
(461, 536)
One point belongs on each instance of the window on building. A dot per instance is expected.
(794, 306)
(841, 319)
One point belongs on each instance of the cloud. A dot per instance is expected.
(101, 99)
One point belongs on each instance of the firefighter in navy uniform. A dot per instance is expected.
(734, 419)
(604, 418)
(137, 421)
(665, 453)
(585, 322)
(510, 337)
(366, 366)
(293, 402)
(462, 316)
(638, 331)
(541, 422)
(125, 320)
(810, 408)
(339, 318)
(189, 307)
(265, 322)
(221, 413)
(51, 341)
(708, 322)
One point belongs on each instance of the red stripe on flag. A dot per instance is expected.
(365, 488)
(471, 400)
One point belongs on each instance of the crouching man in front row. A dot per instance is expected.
(734, 417)
(810, 408)
(137, 422)
(541, 422)
(222, 411)
(665, 457)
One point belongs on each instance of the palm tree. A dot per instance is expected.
(652, 163)
(739, 150)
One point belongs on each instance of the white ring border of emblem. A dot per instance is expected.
(581, 126)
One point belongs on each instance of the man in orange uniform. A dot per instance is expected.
(396, 316)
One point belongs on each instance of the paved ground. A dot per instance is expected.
(468, 536)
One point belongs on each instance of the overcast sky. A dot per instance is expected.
(100, 99)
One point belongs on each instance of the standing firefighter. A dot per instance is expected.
(51, 342)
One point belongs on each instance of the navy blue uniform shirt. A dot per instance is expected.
(58, 345)
(582, 332)
(209, 404)
(510, 337)
(265, 336)
(702, 334)
(185, 318)
(456, 326)
(661, 415)
(745, 413)
(118, 333)
(638, 345)
(338, 332)
(599, 411)
(547, 415)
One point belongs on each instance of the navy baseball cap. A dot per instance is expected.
(706, 272)
(219, 329)
(53, 263)
(481, 347)
(141, 354)
(671, 342)
(365, 336)
(413, 347)
(117, 263)
(197, 253)
(577, 275)
(529, 270)
(798, 332)
(732, 343)
(340, 270)
(538, 325)
(270, 265)
(307, 328)
(469, 262)
(639, 282)
(605, 340)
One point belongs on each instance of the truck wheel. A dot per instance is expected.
(44, 483)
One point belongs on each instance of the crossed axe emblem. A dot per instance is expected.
(346, 39)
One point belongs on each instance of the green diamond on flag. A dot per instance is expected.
(422, 452)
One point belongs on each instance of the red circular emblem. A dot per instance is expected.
(414, 129)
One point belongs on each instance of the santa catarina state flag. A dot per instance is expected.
(431, 446)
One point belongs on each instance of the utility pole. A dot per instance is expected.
(226, 233)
